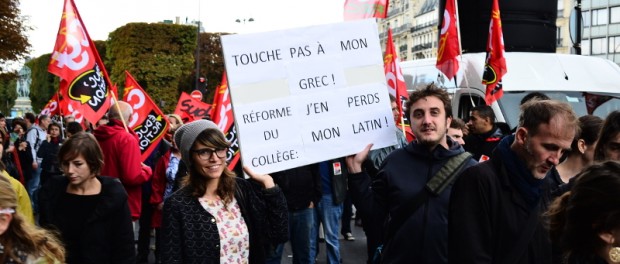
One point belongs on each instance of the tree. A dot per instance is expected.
(14, 44)
(157, 55)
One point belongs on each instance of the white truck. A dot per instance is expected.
(560, 76)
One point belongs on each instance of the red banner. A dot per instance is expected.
(449, 47)
(52, 107)
(190, 109)
(495, 65)
(394, 76)
(67, 108)
(83, 78)
(147, 119)
(223, 116)
(360, 9)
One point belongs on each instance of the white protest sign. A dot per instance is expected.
(306, 95)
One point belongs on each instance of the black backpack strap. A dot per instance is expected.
(444, 177)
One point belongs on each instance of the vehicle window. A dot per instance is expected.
(509, 103)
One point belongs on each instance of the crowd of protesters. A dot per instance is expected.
(462, 191)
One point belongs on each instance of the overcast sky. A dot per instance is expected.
(102, 17)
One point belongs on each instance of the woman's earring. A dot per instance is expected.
(614, 254)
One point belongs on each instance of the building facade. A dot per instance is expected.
(415, 24)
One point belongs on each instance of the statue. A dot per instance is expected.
(23, 82)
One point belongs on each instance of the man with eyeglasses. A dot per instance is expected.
(122, 157)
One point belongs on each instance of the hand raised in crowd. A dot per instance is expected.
(354, 162)
(265, 179)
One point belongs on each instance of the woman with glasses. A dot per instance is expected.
(21, 241)
(218, 217)
(90, 211)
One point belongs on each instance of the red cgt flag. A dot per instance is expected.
(84, 81)
(396, 81)
(495, 65)
(52, 107)
(449, 47)
(147, 120)
(360, 9)
(223, 116)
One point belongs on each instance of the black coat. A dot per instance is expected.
(423, 238)
(300, 186)
(488, 215)
(107, 236)
(189, 233)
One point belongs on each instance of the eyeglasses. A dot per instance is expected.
(205, 153)
(7, 211)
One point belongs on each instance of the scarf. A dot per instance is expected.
(518, 173)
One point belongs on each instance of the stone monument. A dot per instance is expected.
(22, 103)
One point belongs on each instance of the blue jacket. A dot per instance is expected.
(423, 238)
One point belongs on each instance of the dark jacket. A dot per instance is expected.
(423, 238)
(339, 181)
(107, 235)
(483, 144)
(488, 214)
(48, 152)
(190, 234)
(300, 186)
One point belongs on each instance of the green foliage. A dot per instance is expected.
(8, 93)
(14, 44)
(161, 57)
(44, 84)
(158, 56)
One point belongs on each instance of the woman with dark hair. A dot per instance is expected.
(218, 217)
(90, 211)
(581, 154)
(48, 152)
(21, 151)
(608, 146)
(585, 222)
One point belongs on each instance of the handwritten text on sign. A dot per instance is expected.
(307, 95)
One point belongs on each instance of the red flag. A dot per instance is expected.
(219, 92)
(394, 75)
(147, 119)
(223, 116)
(52, 107)
(83, 78)
(190, 109)
(360, 9)
(449, 47)
(67, 108)
(495, 65)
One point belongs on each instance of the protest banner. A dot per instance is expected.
(306, 95)
(190, 109)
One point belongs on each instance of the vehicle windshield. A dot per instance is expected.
(511, 100)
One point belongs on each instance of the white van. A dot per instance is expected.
(560, 76)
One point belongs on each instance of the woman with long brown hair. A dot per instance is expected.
(584, 223)
(22, 242)
(218, 217)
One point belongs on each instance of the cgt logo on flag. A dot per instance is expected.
(89, 87)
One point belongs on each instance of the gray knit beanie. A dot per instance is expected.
(185, 136)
